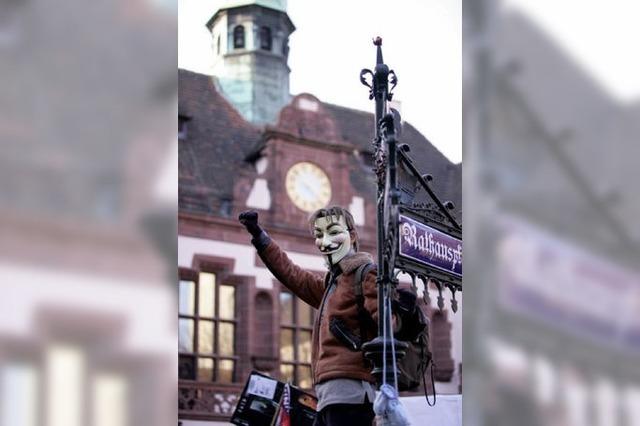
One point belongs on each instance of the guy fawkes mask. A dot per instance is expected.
(332, 238)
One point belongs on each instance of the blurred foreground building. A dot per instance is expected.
(553, 333)
(245, 143)
(87, 319)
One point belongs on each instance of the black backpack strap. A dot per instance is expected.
(423, 346)
(433, 386)
(363, 315)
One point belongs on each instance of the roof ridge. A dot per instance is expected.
(449, 161)
(405, 124)
(192, 72)
(345, 107)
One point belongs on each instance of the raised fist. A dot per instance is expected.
(249, 219)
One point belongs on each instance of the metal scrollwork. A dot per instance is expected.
(403, 190)
(454, 302)
(363, 74)
(393, 164)
(380, 167)
(440, 299)
(394, 81)
(429, 230)
(425, 294)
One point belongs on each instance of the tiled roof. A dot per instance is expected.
(357, 129)
(219, 141)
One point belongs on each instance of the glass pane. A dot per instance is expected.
(304, 377)
(205, 337)
(286, 308)
(305, 314)
(286, 373)
(304, 346)
(186, 297)
(185, 335)
(109, 400)
(205, 369)
(207, 295)
(227, 306)
(226, 340)
(20, 385)
(186, 367)
(67, 376)
(286, 345)
(225, 371)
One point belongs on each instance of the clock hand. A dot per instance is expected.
(308, 189)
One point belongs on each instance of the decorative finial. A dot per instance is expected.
(454, 302)
(379, 61)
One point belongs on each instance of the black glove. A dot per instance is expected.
(249, 219)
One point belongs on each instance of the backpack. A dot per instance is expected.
(412, 368)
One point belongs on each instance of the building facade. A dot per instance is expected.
(245, 143)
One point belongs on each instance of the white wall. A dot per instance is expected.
(243, 255)
(30, 289)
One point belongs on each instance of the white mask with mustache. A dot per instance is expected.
(332, 238)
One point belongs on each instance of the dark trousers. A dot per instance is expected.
(346, 415)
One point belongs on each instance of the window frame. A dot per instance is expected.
(183, 126)
(266, 38)
(239, 37)
(193, 275)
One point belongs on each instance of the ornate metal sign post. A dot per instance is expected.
(417, 234)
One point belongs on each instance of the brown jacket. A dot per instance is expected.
(330, 359)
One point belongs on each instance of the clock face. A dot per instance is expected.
(308, 186)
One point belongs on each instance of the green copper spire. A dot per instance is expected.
(251, 47)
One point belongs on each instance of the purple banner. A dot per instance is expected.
(430, 247)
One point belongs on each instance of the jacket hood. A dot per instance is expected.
(351, 263)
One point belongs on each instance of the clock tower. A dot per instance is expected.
(303, 164)
(250, 40)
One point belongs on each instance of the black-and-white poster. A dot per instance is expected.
(262, 399)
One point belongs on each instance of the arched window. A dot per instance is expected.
(265, 38)
(238, 37)
(206, 328)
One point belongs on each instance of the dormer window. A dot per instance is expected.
(182, 127)
(238, 37)
(265, 38)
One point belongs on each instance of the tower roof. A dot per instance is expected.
(277, 5)
(280, 5)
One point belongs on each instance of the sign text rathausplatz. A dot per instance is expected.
(430, 247)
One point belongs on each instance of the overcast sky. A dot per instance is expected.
(600, 35)
(332, 43)
(422, 43)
